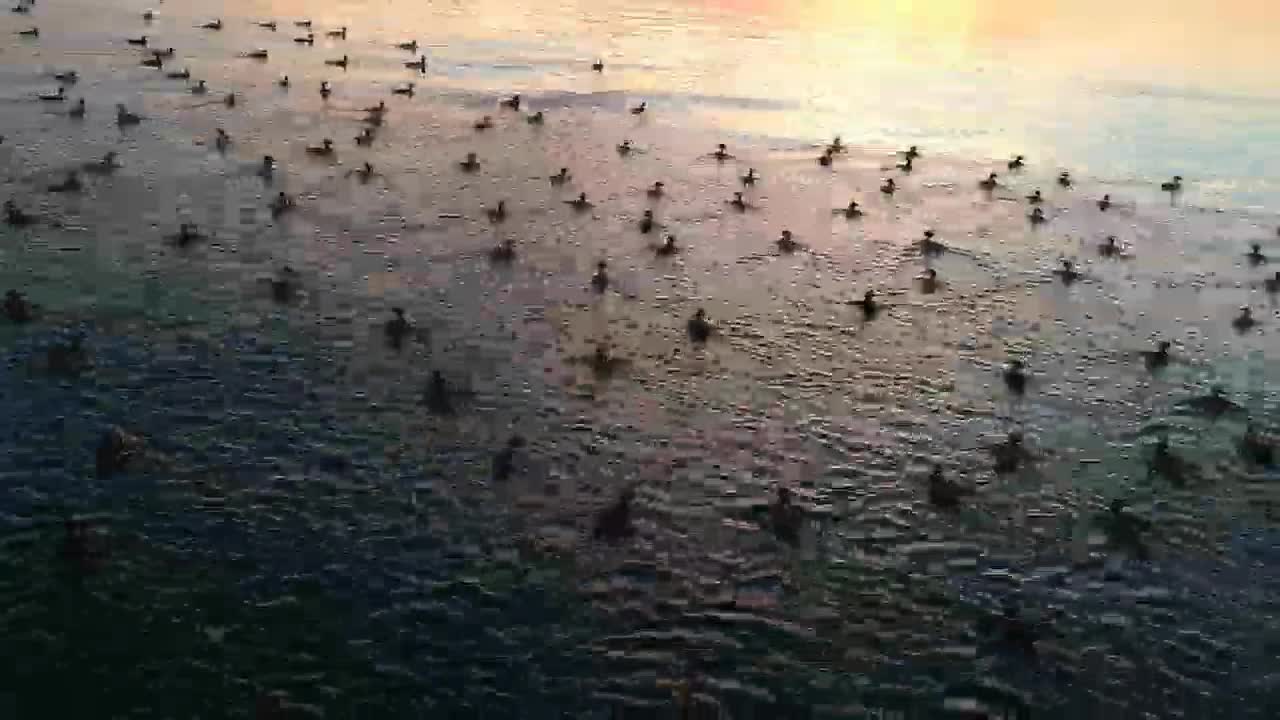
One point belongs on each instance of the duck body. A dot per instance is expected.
(614, 522)
(699, 327)
(16, 307)
(889, 187)
(484, 123)
(1015, 376)
(1172, 186)
(945, 493)
(1105, 203)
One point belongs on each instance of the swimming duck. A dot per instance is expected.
(657, 190)
(889, 187)
(184, 75)
(1214, 405)
(1272, 284)
(58, 96)
(499, 213)
(325, 148)
(1017, 162)
(945, 493)
(1015, 376)
(1168, 464)
(124, 118)
(406, 89)
(1173, 186)
(1064, 179)
(70, 77)
(990, 183)
(668, 247)
(1257, 448)
(1244, 320)
(411, 46)
(339, 33)
(738, 203)
(1158, 358)
(420, 64)
(365, 172)
(256, 54)
(614, 522)
(929, 281)
(70, 184)
(484, 123)
(282, 204)
(325, 90)
(625, 148)
(511, 103)
(268, 167)
(826, 158)
(1067, 272)
(600, 280)
(187, 234)
(750, 178)
(471, 164)
(1008, 455)
(165, 53)
(787, 243)
(603, 363)
(284, 285)
(1255, 256)
(1110, 248)
(268, 25)
(105, 166)
(579, 203)
(785, 518)
(504, 251)
(598, 66)
(646, 222)
(16, 307)
(929, 246)
(505, 460)
(212, 25)
(1035, 198)
(199, 88)
(438, 397)
(1105, 203)
(397, 328)
(302, 23)
(229, 100)
(1037, 216)
(849, 211)
(32, 32)
(116, 450)
(1125, 530)
(140, 41)
(906, 165)
(868, 304)
(68, 359)
(15, 216)
(153, 62)
(365, 138)
(836, 145)
(561, 177)
(340, 62)
(308, 39)
(535, 119)
(21, 9)
(721, 154)
(699, 327)
(639, 109)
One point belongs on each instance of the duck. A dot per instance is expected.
(1125, 530)
(579, 203)
(1037, 217)
(16, 307)
(930, 246)
(561, 177)
(70, 77)
(1110, 248)
(503, 252)
(1168, 464)
(340, 33)
(836, 145)
(302, 23)
(1157, 358)
(600, 280)
(849, 211)
(738, 203)
(657, 190)
(124, 118)
(639, 109)
(945, 493)
(624, 148)
(614, 521)
(284, 285)
(185, 74)
(668, 247)
(1015, 376)
(397, 328)
(911, 153)
(750, 178)
(267, 168)
(511, 103)
(340, 62)
(889, 187)
(721, 154)
(1035, 198)
(785, 518)
(499, 213)
(308, 39)
(70, 184)
(107, 165)
(1173, 186)
(1244, 320)
(699, 327)
(15, 216)
(325, 148)
(646, 222)
(187, 234)
(139, 41)
(598, 66)
(58, 96)
(1017, 162)
(153, 62)
(199, 88)
(282, 204)
(484, 123)
(116, 450)
(990, 183)
(1256, 448)
(1067, 272)
(165, 53)
(1272, 284)
(229, 100)
(268, 25)
(826, 158)
(603, 363)
(365, 138)
(535, 119)
(438, 396)
(21, 9)
(31, 32)
(420, 64)
(1105, 203)
(471, 164)
(1009, 454)
(406, 89)
(411, 46)
(325, 90)
(787, 243)
(212, 25)
(868, 304)
(505, 460)
(258, 54)
(1214, 405)
(377, 110)
(364, 173)
(906, 165)
(1064, 179)
(1255, 256)
(929, 281)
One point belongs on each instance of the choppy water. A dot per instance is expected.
(304, 525)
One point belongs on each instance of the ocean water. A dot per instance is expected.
(303, 526)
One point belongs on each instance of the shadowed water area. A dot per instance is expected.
(309, 522)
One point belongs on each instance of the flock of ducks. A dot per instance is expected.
(118, 449)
